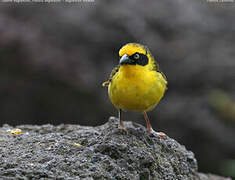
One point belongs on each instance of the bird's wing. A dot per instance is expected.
(157, 68)
(114, 71)
(155, 65)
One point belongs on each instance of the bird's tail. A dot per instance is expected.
(106, 83)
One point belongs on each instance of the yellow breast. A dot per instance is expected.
(136, 88)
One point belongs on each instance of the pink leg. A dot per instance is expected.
(149, 127)
(121, 126)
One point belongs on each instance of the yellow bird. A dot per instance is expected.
(136, 84)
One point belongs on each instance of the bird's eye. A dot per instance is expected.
(136, 56)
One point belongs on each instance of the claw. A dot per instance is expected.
(160, 134)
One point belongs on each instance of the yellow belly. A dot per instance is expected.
(136, 91)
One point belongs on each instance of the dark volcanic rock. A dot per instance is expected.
(104, 152)
(53, 61)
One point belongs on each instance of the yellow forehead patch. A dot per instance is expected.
(132, 48)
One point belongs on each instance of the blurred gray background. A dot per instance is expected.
(54, 58)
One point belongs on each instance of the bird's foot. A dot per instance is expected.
(123, 129)
(154, 133)
(161, 134)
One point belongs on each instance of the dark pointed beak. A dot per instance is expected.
(124, 59)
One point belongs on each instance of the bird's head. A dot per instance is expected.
(136, 54)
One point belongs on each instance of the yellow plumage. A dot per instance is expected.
(136, 84)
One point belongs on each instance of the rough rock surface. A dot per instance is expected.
(103, 152)
(54, 59)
